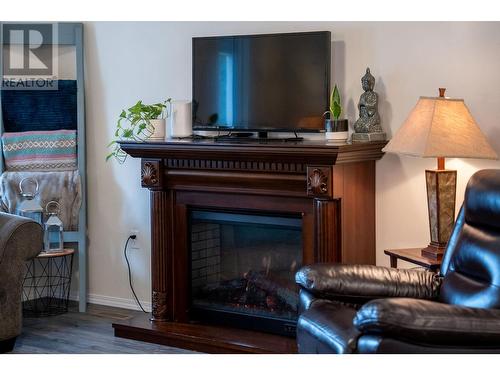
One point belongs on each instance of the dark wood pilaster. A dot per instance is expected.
(161, 260)
(327, 230)
(161, 239)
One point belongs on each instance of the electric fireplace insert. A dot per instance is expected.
(243, 267)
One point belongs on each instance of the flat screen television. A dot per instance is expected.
(260, 83)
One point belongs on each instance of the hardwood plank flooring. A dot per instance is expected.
(84, 333)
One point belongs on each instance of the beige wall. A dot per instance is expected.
(151, 61)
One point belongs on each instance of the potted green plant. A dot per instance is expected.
(335, 127)
(140, 123)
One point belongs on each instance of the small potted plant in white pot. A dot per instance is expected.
(335, 127)
(140, 123)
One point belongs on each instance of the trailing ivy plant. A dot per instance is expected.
(134, 124)
(335, 105)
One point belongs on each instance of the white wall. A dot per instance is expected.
(152, 61)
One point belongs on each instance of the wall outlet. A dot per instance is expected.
(134, 244)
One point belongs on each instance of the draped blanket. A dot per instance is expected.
(63, 187)
(40, 150)
(28, 110)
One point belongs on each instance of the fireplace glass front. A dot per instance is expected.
(243, 267)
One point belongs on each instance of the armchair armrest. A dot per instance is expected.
(340, 281)
(429, 322)
(21, 239)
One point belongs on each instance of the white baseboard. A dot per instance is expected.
(123, 303)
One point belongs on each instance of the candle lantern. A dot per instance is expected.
(53, 229)
(29, 207)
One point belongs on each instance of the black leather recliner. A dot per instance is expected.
(369, 309)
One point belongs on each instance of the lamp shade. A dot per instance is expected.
(441, 127)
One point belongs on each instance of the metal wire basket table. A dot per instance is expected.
(47, 284)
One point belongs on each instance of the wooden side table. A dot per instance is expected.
(413, 256)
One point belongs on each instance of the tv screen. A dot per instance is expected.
(275, 82)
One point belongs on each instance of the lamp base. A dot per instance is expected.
(441, 190)
(434, 252)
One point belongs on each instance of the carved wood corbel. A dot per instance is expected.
(319, 181)
(151, 173)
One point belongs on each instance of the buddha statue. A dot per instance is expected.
(367, 127)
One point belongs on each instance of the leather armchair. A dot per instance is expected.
(21, 239)
(369, 309)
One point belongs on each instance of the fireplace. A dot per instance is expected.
(242, 269)
(231, 222)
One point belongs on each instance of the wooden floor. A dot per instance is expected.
(85, 333)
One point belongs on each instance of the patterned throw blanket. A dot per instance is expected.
(63, 187)
(40, 150)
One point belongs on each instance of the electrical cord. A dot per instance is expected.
(131, 237)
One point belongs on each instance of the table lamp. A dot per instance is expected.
(440, 128)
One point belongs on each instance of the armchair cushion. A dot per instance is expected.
(339, 280)
(429, 322)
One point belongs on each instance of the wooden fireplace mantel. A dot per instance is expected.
(305, 152)
(331, 186)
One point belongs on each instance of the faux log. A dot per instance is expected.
(270, 286)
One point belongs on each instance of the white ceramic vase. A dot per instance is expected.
(339, 137)
(158, 126)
